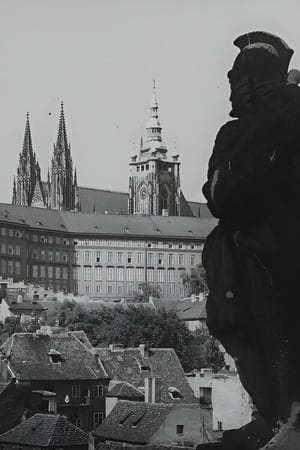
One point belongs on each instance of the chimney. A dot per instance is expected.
(153, 386)
(165, 212)
(19, 298)
(193, 298)
(144, 350)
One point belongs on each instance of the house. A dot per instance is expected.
(139, 423)
(224, 391)
(155, 372)
(62, 362)
(191, 310)
(24, 309)
(45, 431)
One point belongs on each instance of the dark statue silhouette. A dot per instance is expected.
(252, 258)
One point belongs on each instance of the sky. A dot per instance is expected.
(100, 58)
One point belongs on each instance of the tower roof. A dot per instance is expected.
(62, 138)
(27, 143)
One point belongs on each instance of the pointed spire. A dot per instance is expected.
(14, 196)
(75, 177)
(27, 143)
(62, 139)
(153, 127)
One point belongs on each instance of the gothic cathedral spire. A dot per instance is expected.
(62, 188)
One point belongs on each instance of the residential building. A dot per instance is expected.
(154, 181)
(55, 360)
(24, 309)
(45, 431)
(99, 255)
(139, 423)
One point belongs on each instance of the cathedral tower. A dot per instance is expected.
(62, 186)
(154, 181)
(28, 173)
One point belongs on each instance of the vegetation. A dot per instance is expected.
(195, 280)
(145, 291)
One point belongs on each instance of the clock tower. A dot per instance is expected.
(154, 181)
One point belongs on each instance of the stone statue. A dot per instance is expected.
(252, 258)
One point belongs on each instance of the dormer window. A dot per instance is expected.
(55, 356)
(138, 419)
(175, 393)
(124, 418)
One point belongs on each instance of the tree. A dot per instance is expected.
(145, 291)
(195, 280)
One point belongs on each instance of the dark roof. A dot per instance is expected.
(24, 305)
(133, 422)
(200, 210)
(124, 389)
(101, 200)
(186, 309)
(29, 354)
(45, 430)
(127, 365)
(158, 227)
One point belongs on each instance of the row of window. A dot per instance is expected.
(48, 239)
(10, 249)
(97, 419)
(50, 255)
(129, 274)
(136, 244)
(41, 271)
(121, 289)
(138, 258)
(11, 232)
(10, 267)
(76, 391)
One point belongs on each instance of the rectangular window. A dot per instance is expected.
(87, 257)
(98, 273)
(109, 288)
(98, 288)
(50, 239)
(75, 273)
(10, 267)
(87, 274)
(171, 276)
(120, 258)
(75, 390)
(109, 257)
(98, 390)
(57, 273)
(150, 259)
(65, 273)
(97, 419)
(181, 291)
(50, 255)
(43, 239)
(140, 274)
(57, 256)
(120, 289)
(129, 258)
(170, 259)
(50, 271)
(87, 288)
(110, 274)
(65, 257)
(42, 271)
(43, 254)
(35, 238)
(3, 266)
(130, 274)
(179, 429)
(150, 275)
(160, 275)
(193, 257)
(3, 231)
(171, 289)
(3, 248)
(57, 240)
(18, 250)
(17, 268)
(140, 258)
(160, 259)
(120, 274)
(181, 259)
(35, 271)
(10, 249)
(98, 257)
(10, 232)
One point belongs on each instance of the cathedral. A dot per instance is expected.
(154, 180)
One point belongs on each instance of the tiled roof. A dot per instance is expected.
(25, 305)
(45, 430)
(131, 366)
(186, 309)
(101, 200)
(119, 225)
(29, 354)
(133, 422)
(124, 389)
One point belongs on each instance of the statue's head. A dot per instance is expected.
(261, 66)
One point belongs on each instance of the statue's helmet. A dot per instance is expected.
(263, 58)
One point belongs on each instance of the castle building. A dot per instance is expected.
(154, 181)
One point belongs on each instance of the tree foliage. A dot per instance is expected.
(145, 291)
(195, 280)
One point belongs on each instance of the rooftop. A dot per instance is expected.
(45, 430)
(192, 308)
(133, 422)
(57, 356)
(134, 365)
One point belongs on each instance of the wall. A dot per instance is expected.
(191, 417)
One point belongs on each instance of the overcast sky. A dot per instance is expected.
(100, 57)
